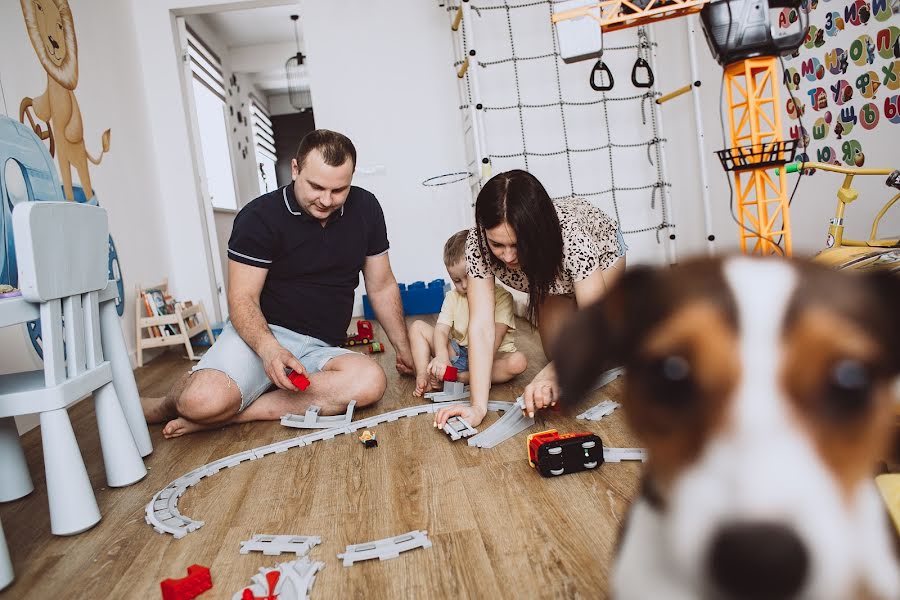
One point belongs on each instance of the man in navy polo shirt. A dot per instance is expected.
(295, 256)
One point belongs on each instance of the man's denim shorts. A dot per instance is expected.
(461, 362)
(232, 356)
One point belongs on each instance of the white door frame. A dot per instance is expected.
(211, 240)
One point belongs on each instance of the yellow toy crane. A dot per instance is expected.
(747, 46)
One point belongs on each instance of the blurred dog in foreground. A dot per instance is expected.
(762, 390)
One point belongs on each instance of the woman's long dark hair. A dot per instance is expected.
(518, 198)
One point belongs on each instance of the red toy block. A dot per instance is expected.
(299, 379)
(198, 580)
(450, 374)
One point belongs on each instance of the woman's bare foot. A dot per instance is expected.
(157, 410)
(181, 426)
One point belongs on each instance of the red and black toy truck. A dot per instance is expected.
(553, 454)
(364, 333)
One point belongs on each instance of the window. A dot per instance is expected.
(209, 103)
(263, 145)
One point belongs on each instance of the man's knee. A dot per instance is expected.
(207, 398)
(372, 384)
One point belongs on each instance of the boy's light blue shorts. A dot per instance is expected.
(231, 355)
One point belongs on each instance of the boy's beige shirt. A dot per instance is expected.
(455, 314)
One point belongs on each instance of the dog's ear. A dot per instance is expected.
(887, 287)
(594, 339)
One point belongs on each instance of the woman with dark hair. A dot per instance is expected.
(564, 255)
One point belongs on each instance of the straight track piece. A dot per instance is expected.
(595, 413)
(273, 545)
(386, 548)
(457, 428)
(612, 455)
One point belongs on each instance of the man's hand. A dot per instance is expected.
(405, 364)
(470, 414)
(276, 359)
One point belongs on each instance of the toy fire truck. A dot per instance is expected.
(364, 334)
(553, 454)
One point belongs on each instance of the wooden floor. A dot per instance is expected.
(499, 529)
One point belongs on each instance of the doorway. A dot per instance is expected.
(243, 117)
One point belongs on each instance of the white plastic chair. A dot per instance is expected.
(61, 249)
(6, 570)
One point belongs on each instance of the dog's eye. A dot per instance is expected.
(849, 388)
(670, 380)
(675, 368)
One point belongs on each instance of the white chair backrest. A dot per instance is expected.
(61, 249)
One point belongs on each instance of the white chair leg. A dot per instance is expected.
(15, 481)
(116, 353)
(6, 569)
(120, 454)
(73, 508)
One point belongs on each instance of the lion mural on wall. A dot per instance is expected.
(52, 33)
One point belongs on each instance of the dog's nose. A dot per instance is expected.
(751, 561)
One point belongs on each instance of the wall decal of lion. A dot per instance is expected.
(52, 32)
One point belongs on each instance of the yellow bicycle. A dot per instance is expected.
(842, 253)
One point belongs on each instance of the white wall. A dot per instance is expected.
(111, 95)
(388, 88)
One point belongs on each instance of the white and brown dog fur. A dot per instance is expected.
(762, 390)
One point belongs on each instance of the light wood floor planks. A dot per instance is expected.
(499, 529)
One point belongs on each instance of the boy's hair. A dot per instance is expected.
(455, 248)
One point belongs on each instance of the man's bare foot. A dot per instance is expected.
(157, 410)
(181, 426)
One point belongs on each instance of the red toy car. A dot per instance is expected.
(364, 334)
(553, 454)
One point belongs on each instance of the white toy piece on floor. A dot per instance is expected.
(273, 545)
(285, 581)
(512, 422)
(453, 390)
(312, 419)
(385, 549)
(614, 455)
(162, 513)
(595, 413)
(458, 428)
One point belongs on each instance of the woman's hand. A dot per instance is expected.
(542, 392)
(472, 415)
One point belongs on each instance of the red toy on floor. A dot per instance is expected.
(198, 580)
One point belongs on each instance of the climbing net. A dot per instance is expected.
(524, 108)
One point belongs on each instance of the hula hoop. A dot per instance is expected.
(460, 176)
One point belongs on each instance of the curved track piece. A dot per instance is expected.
(162, 513)
(511, 423)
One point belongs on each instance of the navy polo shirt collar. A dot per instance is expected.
(293, 207)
